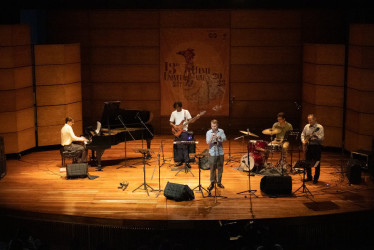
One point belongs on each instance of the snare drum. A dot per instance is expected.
(274, 147)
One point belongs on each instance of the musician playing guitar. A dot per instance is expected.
(178, 119)
(312, 137)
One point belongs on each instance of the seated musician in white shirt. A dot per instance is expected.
(67, 138)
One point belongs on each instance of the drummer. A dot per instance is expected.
(283, 126)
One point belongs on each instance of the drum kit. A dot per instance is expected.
(260, 150)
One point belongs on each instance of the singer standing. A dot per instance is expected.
(214, 138)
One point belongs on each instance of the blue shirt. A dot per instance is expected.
(215, 149)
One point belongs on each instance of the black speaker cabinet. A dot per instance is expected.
(178, 192)
(2, 158)
(366, 157)
(353, 171)
(76, 170)
(276, 184)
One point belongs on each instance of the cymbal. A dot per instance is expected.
(248, 133)
(271, 131)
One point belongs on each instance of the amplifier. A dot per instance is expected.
(364, 156)
(77, 170)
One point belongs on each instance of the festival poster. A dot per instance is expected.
(195, 70)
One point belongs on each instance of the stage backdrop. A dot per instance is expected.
(194, 69)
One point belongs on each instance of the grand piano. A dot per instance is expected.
(119, 125)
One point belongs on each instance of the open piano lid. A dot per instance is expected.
(112, 110)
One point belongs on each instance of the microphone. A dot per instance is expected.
(298, 106)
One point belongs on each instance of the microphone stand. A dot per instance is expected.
(124, 126)
(250, 191)
(145, 126)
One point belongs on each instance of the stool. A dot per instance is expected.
(74, 155)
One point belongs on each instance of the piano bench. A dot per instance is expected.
(74, 155)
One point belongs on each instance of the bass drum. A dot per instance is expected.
(256, 162)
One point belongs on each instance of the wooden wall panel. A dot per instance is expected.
(126, 91)
(361, 57)
(125, 73)
(244, 37)
(361, 35)
(195, 19)
(330, 54)
(264, 91)
(57, 54)
(16, 56)
(360, 91)
(265, 73)
(57, 74)
(125, 55)
(58, 92)
(323, 74)
(14, 35)
(323, 89)
(266, 19)
(16, 93)
(361, 78)
(16, 99)
(125, 37)
(125, 19)
(15, 78)
(265, 55)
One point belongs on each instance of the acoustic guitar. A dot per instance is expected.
(178, 129)
(307, 139)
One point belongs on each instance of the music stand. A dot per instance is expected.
(293, 138)
(304, 165)
(144, 184)
(199, 157)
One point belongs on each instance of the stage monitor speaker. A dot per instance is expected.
(2, 158)
(354, 171)
(77, 170)
(178, 192)
(276, 184)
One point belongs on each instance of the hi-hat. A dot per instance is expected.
(248, 133)
(271, 131)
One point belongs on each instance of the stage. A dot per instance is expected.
(34, 184)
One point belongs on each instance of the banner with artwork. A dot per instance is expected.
(195, 70)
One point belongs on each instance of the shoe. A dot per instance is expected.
(188, 165)
(315, 181)
(210, 187)
(308, 179)
(220, 185)
(179, 164)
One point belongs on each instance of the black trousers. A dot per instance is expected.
(313, 153)
(182, 149)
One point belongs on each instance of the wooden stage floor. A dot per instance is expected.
(35, 185)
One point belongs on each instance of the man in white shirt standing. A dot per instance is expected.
(214, 138)
(178, 117)
(67, 138)
(312, 138)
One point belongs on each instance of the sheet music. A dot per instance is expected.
(98, 127)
